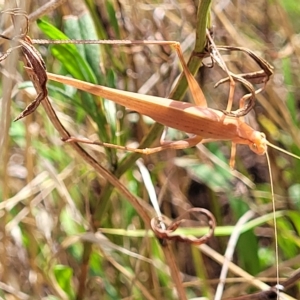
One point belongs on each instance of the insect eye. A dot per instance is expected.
(258, 144)
(263, 136)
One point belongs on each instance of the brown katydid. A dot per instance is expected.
(204, 123)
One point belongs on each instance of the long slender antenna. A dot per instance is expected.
(274, 207)
(282, 150)
(275, 224)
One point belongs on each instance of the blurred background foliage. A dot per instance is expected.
(66, 234)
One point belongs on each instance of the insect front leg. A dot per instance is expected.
(183, 144)
(232, 155)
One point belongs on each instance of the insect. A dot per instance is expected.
(205, 124)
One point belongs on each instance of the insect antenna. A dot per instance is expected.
(273, 203)
(274, 217)
(282, 150)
